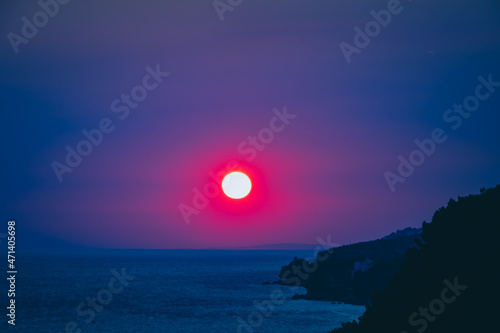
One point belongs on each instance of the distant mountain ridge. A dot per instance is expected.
(281, 246)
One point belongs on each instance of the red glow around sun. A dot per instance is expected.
(248, 204)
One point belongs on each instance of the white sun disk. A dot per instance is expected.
(236, 185)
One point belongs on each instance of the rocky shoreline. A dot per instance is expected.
(351, 273)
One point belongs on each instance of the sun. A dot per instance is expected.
(236, 185)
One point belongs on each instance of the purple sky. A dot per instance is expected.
(323, 174)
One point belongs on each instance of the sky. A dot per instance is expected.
(329, 111)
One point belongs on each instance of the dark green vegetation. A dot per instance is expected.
(461, 246)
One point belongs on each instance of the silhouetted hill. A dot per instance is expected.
(450, 282)
(350, 273)
(404, 232)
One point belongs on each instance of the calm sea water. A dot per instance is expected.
(172, 291)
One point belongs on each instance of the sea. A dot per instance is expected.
(164, 291)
